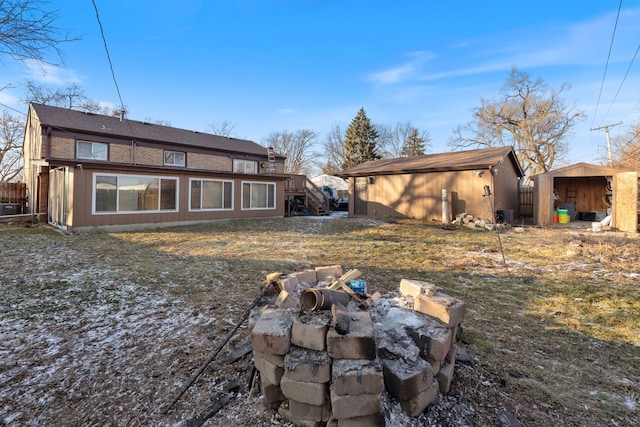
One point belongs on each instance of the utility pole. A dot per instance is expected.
(606, 131)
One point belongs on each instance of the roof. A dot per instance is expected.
(582, 170)
(98, 124)
(331, 181)
(453, 161)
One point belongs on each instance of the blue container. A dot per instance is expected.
(359, 286)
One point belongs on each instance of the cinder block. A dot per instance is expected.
(310, 331)
(286, 300)
(431, 337)
(269, 372)
(356, 376)
(275, 359)
(354, 406)
(413, 288)
(272, 331)
(271, 392)
(285, 412)
(322, 273)
(404, 380)
(307, 365)
(304, 411)
(359, 343)
(373, 420)
(288, 283)
(447, 309)
(307, 276)
(304, 391)
(417, 404)
(444, 377)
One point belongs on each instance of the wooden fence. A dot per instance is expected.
(525, 195)
(13, 198)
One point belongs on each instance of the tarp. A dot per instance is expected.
(334, 182)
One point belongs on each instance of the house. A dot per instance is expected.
(411, 187)
(589, 193)
(88, 170)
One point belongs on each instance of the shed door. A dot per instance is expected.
(360, 196)
(625, 201)
(58, 196)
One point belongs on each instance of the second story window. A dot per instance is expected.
(174, 158)
(91, 150)
(245, 166)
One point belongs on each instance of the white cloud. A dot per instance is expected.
(404, 71)
(287, 111)
(50, 74)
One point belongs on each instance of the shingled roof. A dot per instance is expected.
(441, 162)
(98, 124)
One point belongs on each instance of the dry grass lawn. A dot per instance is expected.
(104, 328)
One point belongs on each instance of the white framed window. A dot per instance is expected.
(210, 195)
(174, 158)
(258, 195)
(114, 193)
(245, 166)
(91, 150)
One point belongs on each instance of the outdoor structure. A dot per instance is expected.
(338, 185)
(412, 187)
(589, 192)
(88, 170)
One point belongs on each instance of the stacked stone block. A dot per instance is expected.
(339, 378)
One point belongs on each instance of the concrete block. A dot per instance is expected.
(322, 273)
(310, 331)
(285, 412)
(404, 379)
(307, 276)
(275, 359)
(286, 300)
(271, 392)
(447, 309)
(304, 391)
(359, 343)
(307, 365)
(431, 337)
(347, 406)
(417, 404)
(413, 288)
(272, 331)
(288, 283)
(269, 372)
(304, 411)
(373, 420)
(444, 377)
(357, 376)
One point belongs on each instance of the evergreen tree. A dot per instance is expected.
(413, 145)
(360, 141)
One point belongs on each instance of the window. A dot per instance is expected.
(174, 158)
(133, 193)
(91, 150)
(258, 195)
(245, 166)
(209, 194)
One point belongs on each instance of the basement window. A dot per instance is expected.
(258, 195)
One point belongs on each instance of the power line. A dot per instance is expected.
(106, 48)
(621, 83)
(607, 63)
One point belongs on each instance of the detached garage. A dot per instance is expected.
(411, 187)
(589, 192)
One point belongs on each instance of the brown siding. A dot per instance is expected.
(83, 189)
(209, 162)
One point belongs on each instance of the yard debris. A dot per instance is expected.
(470, 221)
(402, 341)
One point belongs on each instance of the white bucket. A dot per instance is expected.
(596, 226)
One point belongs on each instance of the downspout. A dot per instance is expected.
(133, 151)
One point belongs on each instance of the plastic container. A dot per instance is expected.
(563, 216)
(596, 226)
(358, 286)
(505, 216)
(555, 216)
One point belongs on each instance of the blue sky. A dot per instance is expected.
(267, 66)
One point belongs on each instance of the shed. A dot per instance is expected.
(411, 187)
(589, 192)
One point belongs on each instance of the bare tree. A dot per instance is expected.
(402, 139)
(71, 97)
(28, 30)
(296, 146)
(529, 116)
(11, 136)
(223, 128)
(334, 151)
(626, 148)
